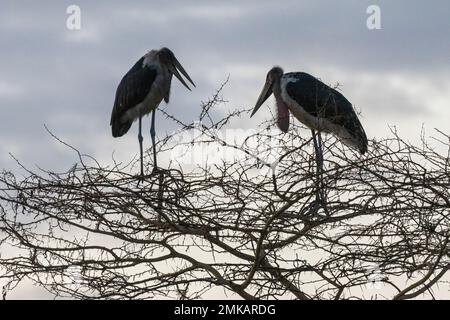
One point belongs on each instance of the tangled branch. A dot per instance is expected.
(235, 210)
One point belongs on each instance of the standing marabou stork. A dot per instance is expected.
(141, 90)
(315, 104)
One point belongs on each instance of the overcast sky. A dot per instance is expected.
(66, 79)
(398, 75)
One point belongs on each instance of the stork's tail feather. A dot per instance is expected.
(120, 128)
(353, 134)
(361, 138)
(363, 146)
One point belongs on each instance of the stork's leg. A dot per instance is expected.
(322, 187)
(141, 138)
(317, 140)
(317, 149)
(153, 135)
(320, 156)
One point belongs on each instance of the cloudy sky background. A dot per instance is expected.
(399, 75)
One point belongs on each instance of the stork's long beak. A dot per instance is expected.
(265, 93)
(174, 66)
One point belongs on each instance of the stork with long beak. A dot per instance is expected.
(313, 103)
(318, 106)
(141, 91)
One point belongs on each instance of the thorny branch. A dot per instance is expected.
(234, 211)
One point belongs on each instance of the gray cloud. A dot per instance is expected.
(67, 79)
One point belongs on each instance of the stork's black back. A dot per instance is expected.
(132, 90)
(320, 100)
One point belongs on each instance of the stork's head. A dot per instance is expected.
(272, 81)
(167, 58)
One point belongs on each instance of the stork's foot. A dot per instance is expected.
(321, 201)
(313, 208)
(315, 211)
(140, 178)
(156, 170)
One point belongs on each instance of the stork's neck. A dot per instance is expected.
(276, 88)
(282, 108)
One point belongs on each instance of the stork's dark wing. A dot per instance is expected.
(132, 89)
(322, 101)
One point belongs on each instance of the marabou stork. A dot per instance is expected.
(316, 105)
(313, 103)
(141, 90)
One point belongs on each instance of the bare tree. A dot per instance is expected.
(235, 213)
